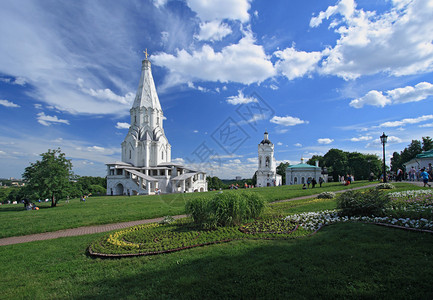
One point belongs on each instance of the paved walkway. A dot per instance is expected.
(76, 231)
(116, 226)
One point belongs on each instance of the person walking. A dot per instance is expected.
(321, 181)
(425, 177)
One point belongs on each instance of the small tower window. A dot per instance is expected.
(157, 121)
(162, 155)
(130, 154)
(267, 161)
(135, 119)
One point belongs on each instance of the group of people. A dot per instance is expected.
(313, 183)
(347, 180)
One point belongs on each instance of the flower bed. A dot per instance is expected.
(163, 238)
(409, 210)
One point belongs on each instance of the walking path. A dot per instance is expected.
(116, 226)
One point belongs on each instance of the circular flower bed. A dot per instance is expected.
(163, 238)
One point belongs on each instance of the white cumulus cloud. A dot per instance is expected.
(407, 121)
(7, 103)
(287, 121)
(419, 92)
(244, 62)
(48, 120)
(294, 64)
(411, 94)
(397, 42)
(122, 125)
(221, 9)
(240, 98)
(325, 141)
(361, 138)
(373, 97)
(213, 31)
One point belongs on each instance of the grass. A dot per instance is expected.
(15, 221)
(346, 260)
(349, 260)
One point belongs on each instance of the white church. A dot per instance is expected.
(267, 171)
(146, 166)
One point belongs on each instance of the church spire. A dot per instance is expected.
(146, 93)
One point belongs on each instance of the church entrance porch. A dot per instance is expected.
(119, 189)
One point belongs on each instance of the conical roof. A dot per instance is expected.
(146, 93)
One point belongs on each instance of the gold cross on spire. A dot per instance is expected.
(145, 53)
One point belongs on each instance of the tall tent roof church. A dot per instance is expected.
(146, 166)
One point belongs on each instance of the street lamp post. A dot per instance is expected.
(383, 140)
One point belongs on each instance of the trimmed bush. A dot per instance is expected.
(225, 209)
(367, 203)
(326, 195)
(384, 186)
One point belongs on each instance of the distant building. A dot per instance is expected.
(299, 174)
(146, 166)
(238, 178)
(420, 161)
(267, 171)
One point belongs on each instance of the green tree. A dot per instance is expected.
(281, 170)
(410, 152)
(314, 158)
(337, 162)
(427, 143)
(395, 161)
(49, 177)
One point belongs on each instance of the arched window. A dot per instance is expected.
(302, 180)
(162, 155)
(295, 181)
(260, 162)
(267, 161)
(135, 119)
(130, 154)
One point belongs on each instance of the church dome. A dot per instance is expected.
(266, 140)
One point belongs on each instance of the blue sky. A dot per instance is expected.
(315, 74)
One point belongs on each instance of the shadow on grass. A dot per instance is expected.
(343, 260)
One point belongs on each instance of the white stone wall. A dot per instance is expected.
(300, 176)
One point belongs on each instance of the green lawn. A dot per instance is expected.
(346, 260)
(16, 221)
(350, 260)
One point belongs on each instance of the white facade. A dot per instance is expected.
(420, 161)
(299, 174)
(267, 171)
(146, 166)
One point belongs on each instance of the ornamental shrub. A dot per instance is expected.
(326, 195)
(363, 203)
(224, 209)
(384, 186)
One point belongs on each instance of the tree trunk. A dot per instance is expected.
(53, 201)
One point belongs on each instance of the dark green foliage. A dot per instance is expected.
(427, 143)
(281, 170)
(214, 183)
(365, 203)
(225, 209)
(340, 163)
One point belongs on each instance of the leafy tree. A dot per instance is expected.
(427, 143)
(49, 177)
(314, 158)
(337, 161)
(214, 183)
(395, 161)
(281, 170)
